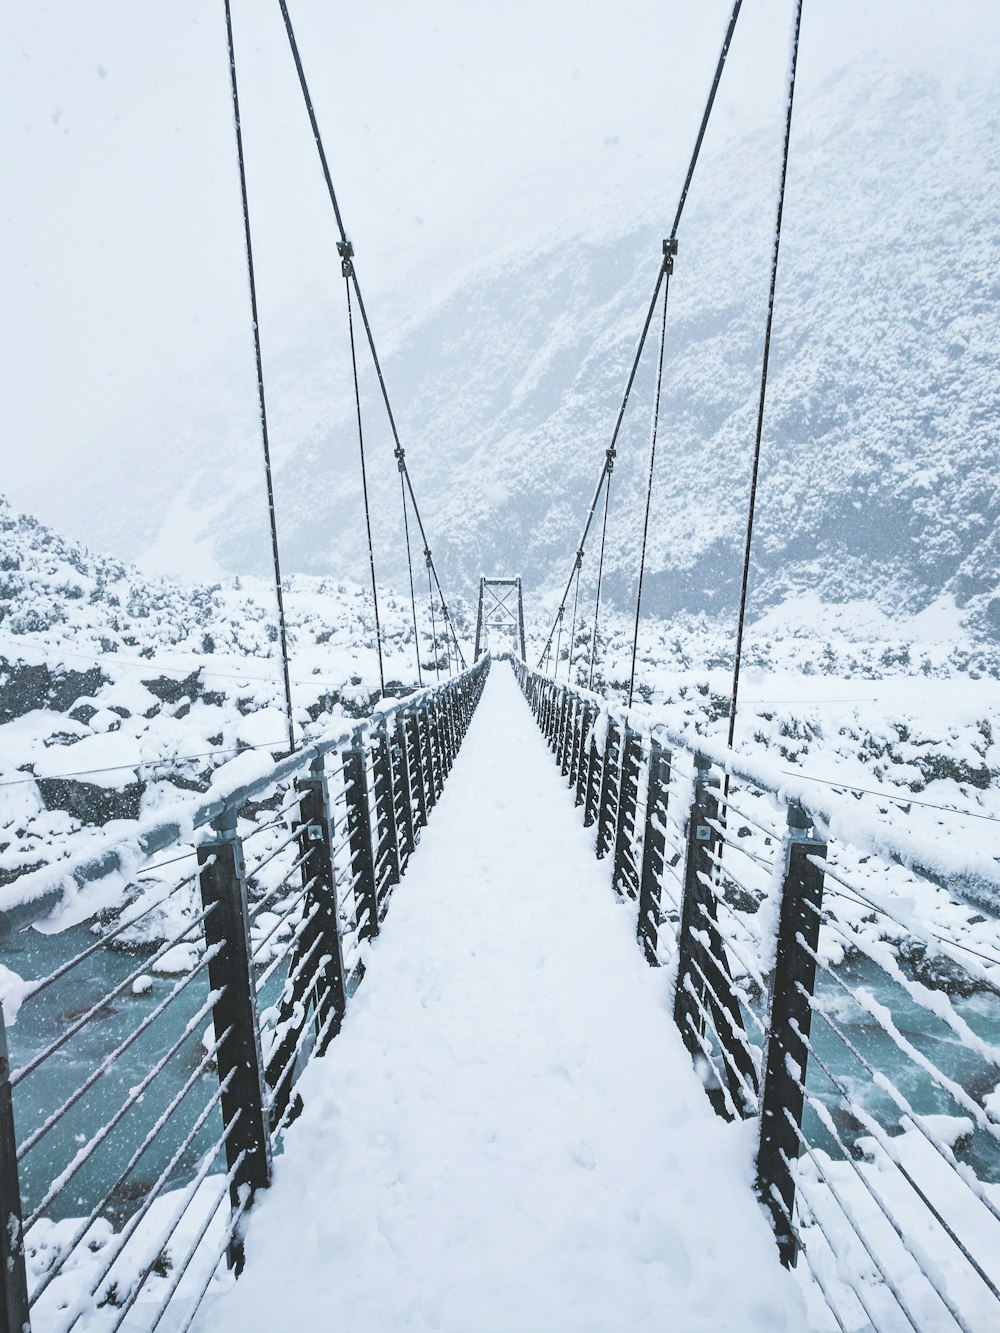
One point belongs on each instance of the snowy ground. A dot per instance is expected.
(508, 1133)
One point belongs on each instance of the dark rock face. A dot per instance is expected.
(90, 803)
(939, 972)
(170, 690)
(24, 687)
(9, 875)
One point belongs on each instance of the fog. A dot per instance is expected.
(452, 129)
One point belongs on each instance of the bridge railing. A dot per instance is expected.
(148, 1084)
(857, 1034)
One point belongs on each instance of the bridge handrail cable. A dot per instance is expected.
(36, 895)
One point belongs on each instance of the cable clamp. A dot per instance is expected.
(400, 455)
(427, 556)
(579, 556)
(610, 455)
(346, 251)
(669, 250)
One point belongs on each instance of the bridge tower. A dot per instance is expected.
(501, 612)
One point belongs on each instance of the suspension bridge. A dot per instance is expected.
(507, 1006)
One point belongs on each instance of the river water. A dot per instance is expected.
(43, 1017)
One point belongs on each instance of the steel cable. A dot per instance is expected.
(282, 629)
(348, 268)
(755, 471)
(409, 567)
(663, 269)
(600, 571)
(400, 454)
(649, 490)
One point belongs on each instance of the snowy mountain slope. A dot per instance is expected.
(880, 452)
(119, 691)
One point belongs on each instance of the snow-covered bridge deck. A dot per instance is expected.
(508, 1134)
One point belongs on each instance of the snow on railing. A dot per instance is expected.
(150, 1093)
(824, 992)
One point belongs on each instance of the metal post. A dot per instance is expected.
(531, 690)
(565, 722)
(479, 620)
(569, 736)
(456, 731)
(384, 790)
(359, 824)
(550, 712)
(624, 877)
(222, 876)
(436, 751)
(704, 986)
(610, 789)
(786, 1052)
(654, 848)
(562, 735)
(323, 985)
(593, 781)
(441, 729)
(576, 742)
(586, 748)
(520, 619)
(448, 729)
(702, 842)
(404, 774)
(15, 1315)
(427, 743)
(415, 759)
(444, 727)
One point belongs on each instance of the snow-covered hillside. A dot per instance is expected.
(118, 691)
(880, 461)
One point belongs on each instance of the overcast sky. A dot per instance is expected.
(452, 127)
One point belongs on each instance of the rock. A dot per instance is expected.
(83, 713)
(170, 690)
(25, 687)
(938, 972)
(89, 802)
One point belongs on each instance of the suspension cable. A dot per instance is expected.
(609, 456)
(763, 380)
(609, 466)
(261, 402)
(669, 250)
(409, 566)
(346, 253)
(572, 635)
(400, 454)
(649, 491)
(726, 43)
(430, 603)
